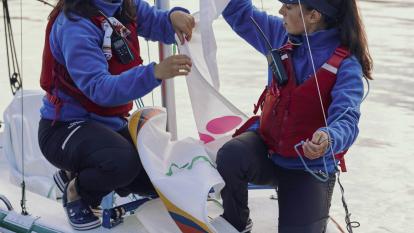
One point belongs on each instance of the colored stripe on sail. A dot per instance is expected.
(138, 119)
(186, 225)
(186, 222)
(132, 126)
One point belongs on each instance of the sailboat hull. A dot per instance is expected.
(46, 215)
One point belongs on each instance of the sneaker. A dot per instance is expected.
(80, 215)
(248, 227)
(61, 179)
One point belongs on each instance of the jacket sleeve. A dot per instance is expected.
(344, 111)
(238, 13)
(155, 24)
(77, 45)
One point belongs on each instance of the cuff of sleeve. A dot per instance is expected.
(177, 8)
(156, 82)
(171, 39)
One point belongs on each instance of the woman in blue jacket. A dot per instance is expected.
(92, 71)
(307, 123)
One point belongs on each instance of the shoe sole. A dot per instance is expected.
(86, 226)
(59, 182)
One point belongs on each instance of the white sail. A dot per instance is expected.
(20, 137)
(183, 171)
(216, 118)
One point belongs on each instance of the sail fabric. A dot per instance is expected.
(216, 118)
(20, 138)
(210, 11)
(181, 171)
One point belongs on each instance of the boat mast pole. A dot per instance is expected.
(167, 86)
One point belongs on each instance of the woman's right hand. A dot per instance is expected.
(173, 66)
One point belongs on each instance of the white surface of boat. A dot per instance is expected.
(49, 213)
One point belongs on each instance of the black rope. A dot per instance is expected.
(23, 184)
(15, 77)
(12, 62)
(349, 224)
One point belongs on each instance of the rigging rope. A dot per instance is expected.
(149, 60)
(12, 62)
(349, 224)
(23, 184)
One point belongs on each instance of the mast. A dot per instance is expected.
(167, 86)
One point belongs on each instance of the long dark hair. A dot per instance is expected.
(86, 8)
(352, 32)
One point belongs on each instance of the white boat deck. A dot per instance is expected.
(52, 215)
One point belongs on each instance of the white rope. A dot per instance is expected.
(316, 79)
(349, 224)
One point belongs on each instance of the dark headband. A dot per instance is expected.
(320, 5)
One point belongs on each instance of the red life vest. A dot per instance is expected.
(292, 113)
(55, 77)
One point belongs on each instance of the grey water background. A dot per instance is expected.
(379, 186)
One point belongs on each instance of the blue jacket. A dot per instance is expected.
(346, 94)
(78, 46)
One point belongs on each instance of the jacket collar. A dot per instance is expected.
(109, 8)
(318, 40)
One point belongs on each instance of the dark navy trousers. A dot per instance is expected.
(102, 159)
(304, 201)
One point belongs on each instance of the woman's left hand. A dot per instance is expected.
(317, 146)
(183, 25)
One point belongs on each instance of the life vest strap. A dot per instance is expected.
(260, 102)
(246, 125)
(342, 164)
(338, 56)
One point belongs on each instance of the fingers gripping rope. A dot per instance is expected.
(320, 175)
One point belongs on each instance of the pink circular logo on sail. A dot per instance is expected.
(223, 125)
(205, 138)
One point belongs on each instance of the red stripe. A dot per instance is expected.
(187, 229)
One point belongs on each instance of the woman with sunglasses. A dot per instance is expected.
(309, 109)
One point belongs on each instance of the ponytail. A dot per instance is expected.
(352, 33)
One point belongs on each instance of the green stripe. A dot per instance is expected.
(42, 229)
(10, 227)
(190, 165)
(14, 228)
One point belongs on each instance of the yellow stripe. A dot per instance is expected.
(173, 208)
(133, 124)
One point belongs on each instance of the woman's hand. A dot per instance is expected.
(317, 146)
(173, 66)
(183, 25)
